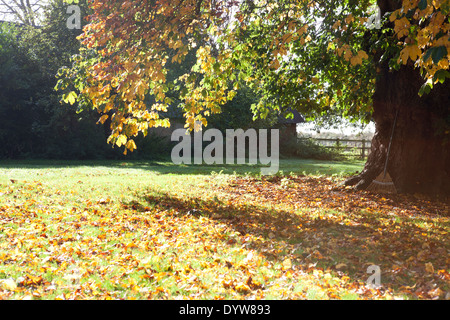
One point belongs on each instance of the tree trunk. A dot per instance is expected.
(419, 159)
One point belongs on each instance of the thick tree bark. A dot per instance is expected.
(419, 160)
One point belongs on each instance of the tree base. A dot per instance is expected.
(419, 159)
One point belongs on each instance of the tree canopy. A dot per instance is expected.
(319, 56)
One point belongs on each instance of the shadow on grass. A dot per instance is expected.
(345, 249)
(287, 166)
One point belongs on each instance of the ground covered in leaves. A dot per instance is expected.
(134, 233)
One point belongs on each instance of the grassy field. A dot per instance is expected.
(137, 230)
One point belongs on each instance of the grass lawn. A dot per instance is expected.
(138, 230)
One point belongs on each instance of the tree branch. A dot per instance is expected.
(25, 12)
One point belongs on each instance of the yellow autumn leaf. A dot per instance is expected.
(287, 264)
(103, 119)
(337, 24)
(347, 55)
(356, 60)
(402, 27)
(362, 54)
(70, 98)
(131, 145)
(275, 64)
(331, 46)
(109, 106)
(302, 30)
(8, 284)
(242, 288)
(349, 19)
(429, 267)
(393, 16)
(410, 52)
(121, 140)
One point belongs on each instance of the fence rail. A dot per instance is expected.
(362, 147)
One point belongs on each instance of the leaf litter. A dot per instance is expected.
(249, 238)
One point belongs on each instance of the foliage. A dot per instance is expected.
(237, 114)
(151, 147)
(423, 27)
(234, 114)
(305, 148)
(18, 83)
(32, 122)
(319, 58)
(122, 230)
(62, 132)
(31, 57)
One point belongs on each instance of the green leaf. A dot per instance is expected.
(426, 88)
(216, 67)
(411, 12)
(438, 54)
(423, 4)
(427, 54)
(441, 75)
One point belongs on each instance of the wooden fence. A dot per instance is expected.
(359, 148)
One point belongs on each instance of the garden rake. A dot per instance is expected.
(383, 183)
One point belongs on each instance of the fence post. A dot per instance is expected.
(363, 149)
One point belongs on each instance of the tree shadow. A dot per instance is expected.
(344, 247)
(158, 166)
(166, 167)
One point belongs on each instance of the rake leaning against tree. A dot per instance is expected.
(324, 58)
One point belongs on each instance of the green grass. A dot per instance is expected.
(286, 165)
(120, 180)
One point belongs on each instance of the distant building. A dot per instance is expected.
(288, 126)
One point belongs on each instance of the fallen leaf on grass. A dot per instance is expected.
(436, 293)
(8, 284)
(253, 284)
(287, 264)
(429, 267)
(341, 266)
(242, 288)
